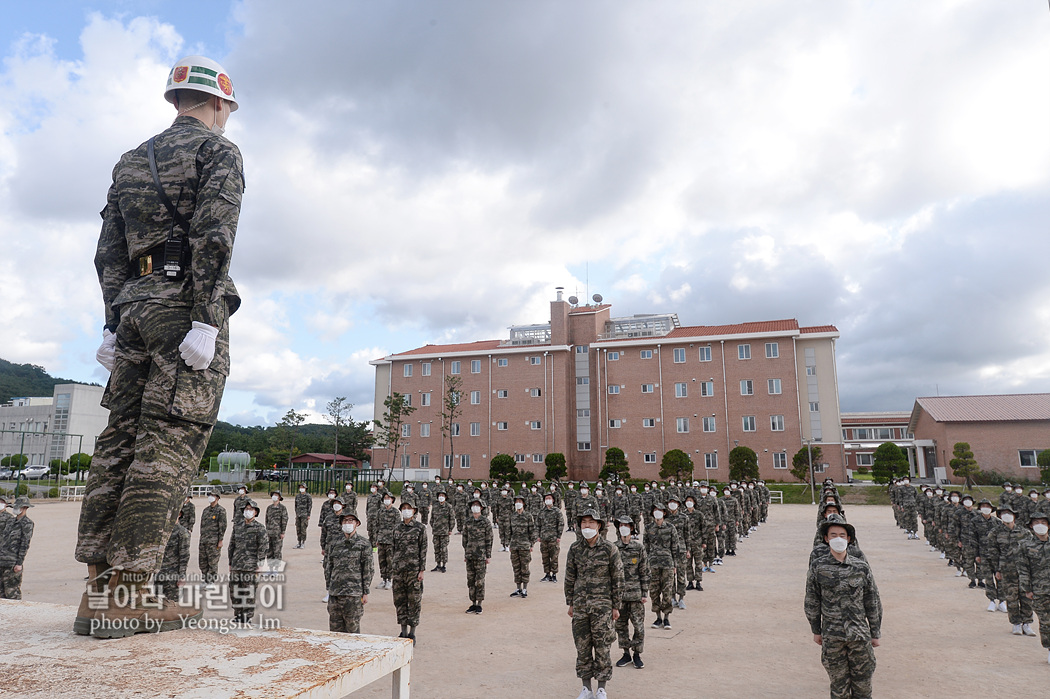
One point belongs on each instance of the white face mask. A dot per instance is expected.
(967, 503)
(1006, 517)
(1034, 496)
(476, 509)
(672, 506)
(986, 510)
(598, 493)
(331, 496)
(1019, 491)
(424, 486)
(548, 502)
(658, 515)
(242, 491)
(373, 489)
(441, 498)
(519, 506)
(1040, 529)
(211, 498)
(302, 490)
(336, 507)
(349, 527)
(274, 498)
(407, 513)
(725, 493)
(589, 532)
(249, 514)
(955, 498)
(690, 504)
(348, 488)
(388, 503)
(625, 530)
(703, 491)
(838, 544)
(584, 492)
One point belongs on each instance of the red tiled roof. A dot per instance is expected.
(479, 346)
(765, 326)
(315, 458)
(589, 309)
(818, 329)
(1022, 406)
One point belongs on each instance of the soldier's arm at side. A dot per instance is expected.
(111, 256)
(812, 604)
(214, 227)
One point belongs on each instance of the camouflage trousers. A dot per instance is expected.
(344, 613)
(1018, 606)
(910, 519)
(302, 524)
(476, 569)
(243, 584)
(461, 517)
(519, 561)
(661, 587)
(549, 551)
(168, 582)
(850, 666)
(592, 630)
(161, 416)
(440, 548)
(276, 546)
(631, 614)
(208, 554)
(694, 565)
(763, 511)
(504, 526)
(10, 584)
(1041, 607)
(991, 585)
(408, 597)
(967, 559)
(386, 560)
(373, 531)
(679, 576)
(708, 554)
(424, 515)
(731, 535)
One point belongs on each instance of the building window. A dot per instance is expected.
(865, 459)
(774, 386)
(709, 424)
(408, 399)
(475, 429)
(537, 458)
(583, 412)
(646, 354)
(455, 367)
(454, 397)
(535, 424)
(614, 356)
(424, 399)
(424, 429)
(681, 390)
(501, 361)
(520, 458)
(647, 388)
(425, 368)
(776, 423)
(614, 389)
(424, 460)
(535, 392)
(679, 355)
(447, 461)
(883, 433)
(475, 397)
(711, 461)
(814, 407)
(408, 370)
(535, 360)
(615, 424)
(707, 388)
(862, 433)
(649, 458)
(648, 422)
(464, 460)
(502, 393)
(406, 460)
(406, 430)
(581, 349)
(780, 460)
(583, 446)
(454, 429)
(682, 424)
(747, 387)
(582, 380)
(811, 371)
(743, 351)
(501, 426)
(772, 350)
(749, 423)
(475, 366)
(705, 354)
(1029, 457)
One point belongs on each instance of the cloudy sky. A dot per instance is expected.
(430, 172)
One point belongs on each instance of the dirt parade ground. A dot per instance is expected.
(744, 636)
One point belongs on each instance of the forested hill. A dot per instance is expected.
(27, 381)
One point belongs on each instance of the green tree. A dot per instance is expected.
(556, 469)
(1043, 460)
(388, 432)
(800, 462)
(15, 461)
(58, 466)
(743, 463)
(676, 463)
(450, 410)
(79, 462)
(285, 435)
(615, 465)
(888, 462)
(503, 467)
(964, 465)
(338, 414)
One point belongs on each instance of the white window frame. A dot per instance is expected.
(867, 459)
(475, 429)
(814, 407)
(678, 355)
(537, 458)
(475, 397)
(774, 387)
(681, 390)
(535, 424)
(583, 380)
(535, 361)
(711, 461)
(475, 366)
(1034, 458)
(424, 429)
(780, 460)
(772, 350)
(614, 356)
(454, 429)
(581, 349)
(649, 458)
(519, 458)
(455, 367)
(776, 423)
(408, 370)
(707, 389)
(424, 460)
(614, 389)
(648, 422)
(648, 388)
(747, 387)
(502, 361)
(583, 412)
(583, 446)
(681, 425)
(424, 398)
(406, 430)
(705, 354)
(811, 371)
(502, 393)
(710, 424)
(615, 423)
(748, 422)
(424, 368)
(743, 351)
(464, 460)
(502, 426)
(646, 354)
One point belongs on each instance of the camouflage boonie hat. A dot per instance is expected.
(278, 494)
(1006, 508)
(825, 505)
(479, 501)
(216, 491)
(840, 521)
(592, 513)
(22, 501)
(1038, 515)
(626, 519)
(252, 504)
(350, 514)
(658, 506)
(984, 501)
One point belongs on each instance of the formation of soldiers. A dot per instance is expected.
(1003, 549)
(16, 533)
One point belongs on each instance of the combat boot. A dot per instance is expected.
(130, 606)
(625, 660)
(98, 576)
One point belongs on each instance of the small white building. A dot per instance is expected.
(56, 427)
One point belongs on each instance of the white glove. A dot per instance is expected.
(198, 348)
(106, 354)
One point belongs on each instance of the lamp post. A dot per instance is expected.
(812, 483)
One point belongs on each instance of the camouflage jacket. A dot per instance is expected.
(594, 576)
(326, 512)
(276, 518)
(842, 600)
(239, 503)
(521, 530)
(189, 514)
(387, 519)
(551, 524)
(477, 538)
(968, 528)
(213, 524)
(304, 505)
(619, 506)
(250, 544)
(570, 503)
(1004, 546)
(981, 528)
(699, 526)
(732, 508)
(202, 174)
(349, 499)
(501, 508)
(351, 568)
(373, 504)
(15, 543)
(442, 518)
(681, 523)
(635, 570)
(177, 552)
(663, 545)
(1033, 568)
(708, 506)
(907, 498)
(410, 547)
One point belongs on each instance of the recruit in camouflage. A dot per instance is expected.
(350, 577)
(594, 586)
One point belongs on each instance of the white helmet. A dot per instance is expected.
(203, 75)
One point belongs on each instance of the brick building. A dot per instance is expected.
(863, 433)
(587, 381)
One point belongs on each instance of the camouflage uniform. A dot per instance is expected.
(351, 575)
(176, 560)
(304, 505)
(161, 411)
(502, 511)
(189, 514)
(522, 535)
(982, 526)
(237, 521)
(249, 552)
(707, 505)
(636, 588)
(680, 522)
(731, 519)
(663, 546)
(442, 522)
(1033, 575)
(551, 524)
(694, 544)
(570, 508)
(213, 529)
(276, 526)
(477, 550)
(1004, 551)
(594, 587)
(844, 608)
(373, 504)
(425, 501)
(14, 543)
(409, 561)
(459, 506)
(907, 498)
(387, 520)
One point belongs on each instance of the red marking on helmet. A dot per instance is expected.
(224, 84)
(180, 74)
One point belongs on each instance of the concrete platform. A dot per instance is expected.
(42, 657)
